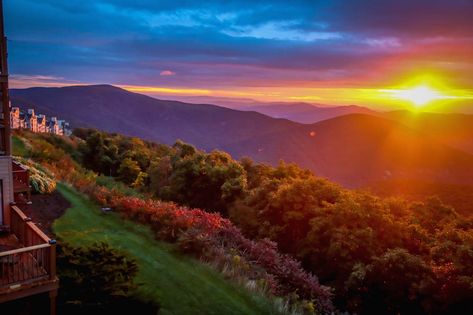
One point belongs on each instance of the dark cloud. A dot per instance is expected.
(233, 42)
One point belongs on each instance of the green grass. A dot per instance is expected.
(19, 148)
(180, 285)
(112, 183)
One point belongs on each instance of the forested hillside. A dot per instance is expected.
(258, 278)
(354, 242)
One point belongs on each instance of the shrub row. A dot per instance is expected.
(217, 241)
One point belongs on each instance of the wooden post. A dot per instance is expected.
(27, 236)
(52, 302)
(7, 214)
(4, 87)
(52, 260)
(52, 275)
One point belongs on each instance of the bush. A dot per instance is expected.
(40, 180)
(94, 279)
(391, 293)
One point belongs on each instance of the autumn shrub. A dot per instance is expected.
(40, 180)
(41, 183)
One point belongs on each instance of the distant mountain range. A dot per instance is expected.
(354, 149)
(305, 113)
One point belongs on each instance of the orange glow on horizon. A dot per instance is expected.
(423, 93)
(387, 98)
(155, 89)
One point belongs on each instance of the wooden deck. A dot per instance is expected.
(21, 265)
(27, 261)
(8, 241)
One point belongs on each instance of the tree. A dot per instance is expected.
(208, 181)
(110, 159)
(433, 214)
(140, 180)
(183, 149)
(93, 150)
(395, 283)
(282, 200)
(94, 276)
(128, 171)
(159, 173)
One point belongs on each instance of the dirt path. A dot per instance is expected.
(45, 209)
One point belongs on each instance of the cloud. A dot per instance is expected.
(280, 31)
(388, 42)
(167, 73)
(24, 81)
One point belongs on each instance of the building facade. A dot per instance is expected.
(38, 122)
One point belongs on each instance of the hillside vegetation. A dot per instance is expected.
(258, 266)
(354, 242)
(180, 285)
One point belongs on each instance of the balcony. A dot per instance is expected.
(27, 261)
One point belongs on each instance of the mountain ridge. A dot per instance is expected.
(352, 149)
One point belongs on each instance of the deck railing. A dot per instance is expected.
(36, 260)
(20, 178)
(21, 183)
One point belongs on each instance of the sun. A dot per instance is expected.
(419, 96)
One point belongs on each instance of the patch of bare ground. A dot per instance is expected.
(45, 209)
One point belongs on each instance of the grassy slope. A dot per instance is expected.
(19, 148)
(181, 285)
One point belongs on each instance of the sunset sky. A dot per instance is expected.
(328, 52)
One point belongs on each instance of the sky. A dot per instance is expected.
(336, 52)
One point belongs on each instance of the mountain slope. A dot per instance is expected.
(301, 112)
(357, 149)
(116, 110)
(456, 130)
(353, 150)
(305, 113)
